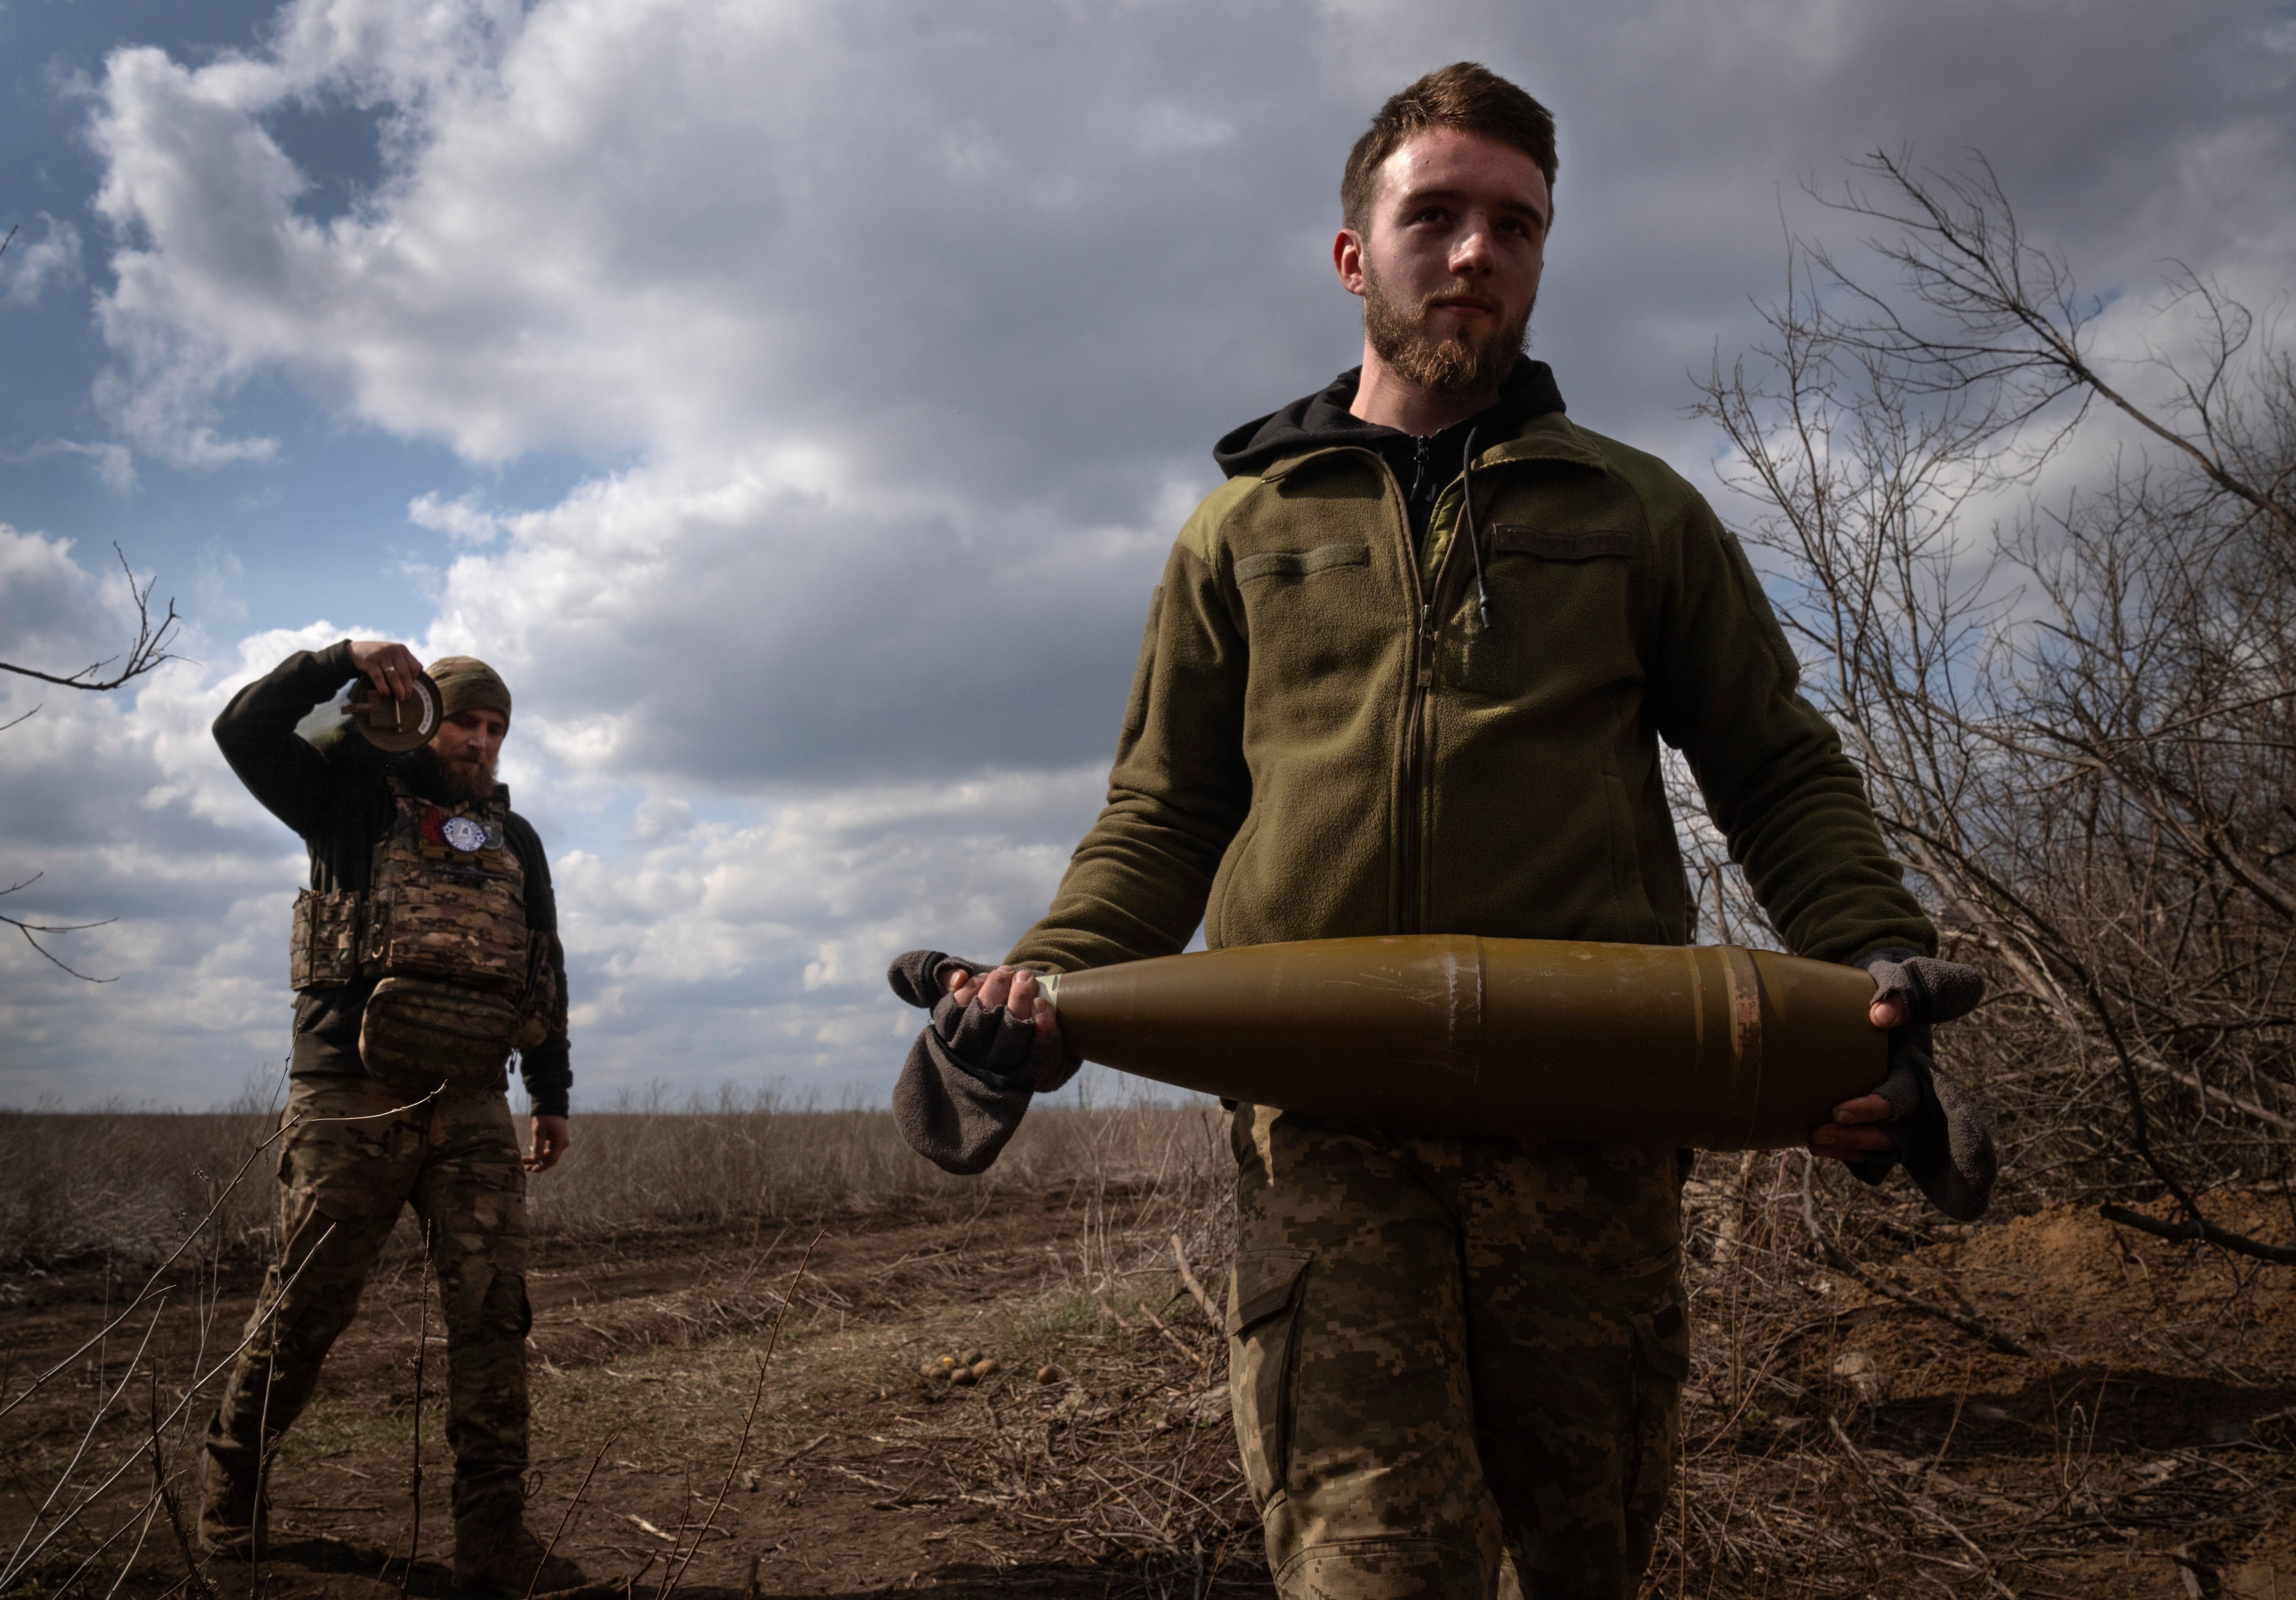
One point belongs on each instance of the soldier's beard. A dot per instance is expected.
(1443, 365)
(465, 778)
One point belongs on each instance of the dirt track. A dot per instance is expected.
(1836, 1444)
(858, 1475)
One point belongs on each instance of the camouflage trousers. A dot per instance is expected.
(350, 1163)
(1457, 1363)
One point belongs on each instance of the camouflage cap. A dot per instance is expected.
(467, 684)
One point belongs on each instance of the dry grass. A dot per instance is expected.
(649, 1161)
(126, 1187)
(1837, 1441)
(163, 1221)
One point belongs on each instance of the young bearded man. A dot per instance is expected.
(425, 952)
(1408, 671)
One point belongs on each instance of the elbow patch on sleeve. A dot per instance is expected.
(1766, 617)
(1135, 708)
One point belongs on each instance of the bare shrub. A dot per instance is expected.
(2077, 715)
(127, 1186)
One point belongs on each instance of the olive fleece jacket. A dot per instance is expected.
(333, 793)
(1324, 740)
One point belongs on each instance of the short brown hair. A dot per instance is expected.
(1466, 95)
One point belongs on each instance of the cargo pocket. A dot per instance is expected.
(539, 1009)
(1263, 1301)
(340, 1171)
(1661, 1366)
(422, 1033)
(323, 952)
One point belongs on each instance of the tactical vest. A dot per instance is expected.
(462, 980)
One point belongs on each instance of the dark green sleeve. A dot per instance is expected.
(547, 1070)
(256, 733)
(1789, 802)
(1177, 794)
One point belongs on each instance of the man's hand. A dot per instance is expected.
(1015, 989)
(391, 668)
(551, 1139)
(1850, 1136)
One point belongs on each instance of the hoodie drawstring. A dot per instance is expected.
(1475, 537)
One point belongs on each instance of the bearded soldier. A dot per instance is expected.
(1408, 671)
(423, 953)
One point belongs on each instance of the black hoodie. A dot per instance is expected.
(1422, 465)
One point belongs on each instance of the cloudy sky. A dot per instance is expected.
(797, 400)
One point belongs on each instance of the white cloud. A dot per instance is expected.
(897, 335)
(29, 267)
(113, 462)
(460, 520)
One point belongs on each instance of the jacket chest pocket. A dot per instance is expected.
(1315, 621)
(1558, 603)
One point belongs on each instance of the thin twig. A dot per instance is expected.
(18, 1561)
(1922, 1507)
(2197, 1229)
(1975, 1326)
(671, 1579)
(580, 1489)
(199, 1382)
(197, 1579)
(29, 928)
(421, 1351)
(151, 1284)
(149, 650)
(1188, 1281)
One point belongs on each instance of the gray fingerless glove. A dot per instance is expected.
(971, 1073)
(1945, 1139)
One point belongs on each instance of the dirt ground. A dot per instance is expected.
(1835, 1442)
(1854, 1446)
(858, 1474)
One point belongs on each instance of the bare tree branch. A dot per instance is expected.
(2077, 722)
(149, 650)
(2196, 1228)
(28, 929)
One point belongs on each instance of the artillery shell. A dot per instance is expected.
(1714, 1046)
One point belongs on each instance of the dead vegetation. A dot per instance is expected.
(2100, 1406)
(2040, 570)
(119, 1355)
(124, 1187)
(1839, 1440)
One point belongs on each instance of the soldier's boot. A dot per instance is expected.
(234, 1517)
(496, 1554)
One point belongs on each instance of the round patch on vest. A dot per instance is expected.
(464, 834)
